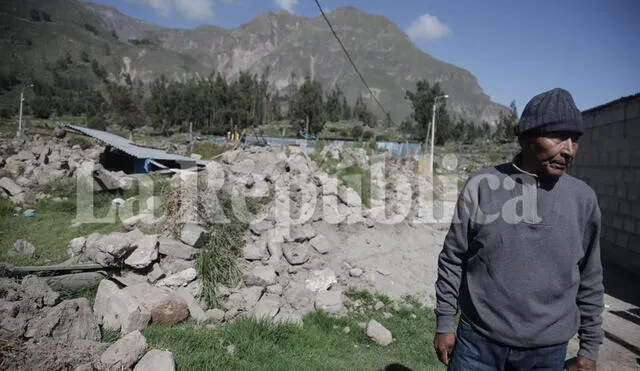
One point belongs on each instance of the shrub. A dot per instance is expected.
(91, 28)
(83, 142)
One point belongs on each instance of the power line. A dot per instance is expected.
(346, 52)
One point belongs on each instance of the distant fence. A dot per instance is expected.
(396, 149)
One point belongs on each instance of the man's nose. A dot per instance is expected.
(568, 146)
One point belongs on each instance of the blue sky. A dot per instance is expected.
(515, 48)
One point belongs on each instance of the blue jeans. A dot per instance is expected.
(475, 352)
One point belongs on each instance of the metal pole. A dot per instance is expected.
(20, 114)
(433, 134)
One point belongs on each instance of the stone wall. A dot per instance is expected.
(609, 161)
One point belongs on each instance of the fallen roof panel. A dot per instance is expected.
(128, 146)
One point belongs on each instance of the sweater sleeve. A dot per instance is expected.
(450, 264)
(590, 299)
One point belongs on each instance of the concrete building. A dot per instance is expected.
(609, 161)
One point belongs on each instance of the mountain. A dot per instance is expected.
(284, 45)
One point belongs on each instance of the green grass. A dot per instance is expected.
(359, 180)
(51, 229)
(320, 345)
(209, 149)
(216, 262)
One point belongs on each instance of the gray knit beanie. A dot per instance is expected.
(551, 111)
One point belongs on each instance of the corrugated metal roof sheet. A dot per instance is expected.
(128, 146)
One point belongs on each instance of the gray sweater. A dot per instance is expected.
(522, 260)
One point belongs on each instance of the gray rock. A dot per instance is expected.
(59, 132)
(259, 227)
(260, 276)
(193, 235)
(378, 305)
(10, 186)
(296, 253)
(12, 327)
(251, 295)
(145, 253)
(321, 244)
(267, 308)
(301, 233)
(300, 298)
(23, 182)
(118, 305)
(355, 272)
(177, 249)
(109, 249)
(379, 333)
(171, 265)
(289, 318)
(37, 293)
(256, 250)
(331, 302)
(179, 279)
(77, 246)
(321, 280)
(349, 197)
(156, 360)
(165, 307)
(138, 221)
(75, 281)
(155, 274)
(22, 248)
(67, 321)
(275, 251)
(275, 289)
(195, 310)
(215, 314)
(124, 353)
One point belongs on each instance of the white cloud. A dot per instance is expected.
(287, 5)
(193, 9)
(427, 28)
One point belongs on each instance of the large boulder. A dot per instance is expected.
(67, 321)
(177, 249)
(118, 310)
(193, 235)
(260, 276)
(164, 306)
(156, 360)
(10, 186)
(145, 254)
(124, 353)
(378, 333)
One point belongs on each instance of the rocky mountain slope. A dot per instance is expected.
(287, 46)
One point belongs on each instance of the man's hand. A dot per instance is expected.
(443, 344)
(582, 364)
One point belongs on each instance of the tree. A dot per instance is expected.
(35, 15)
(505, 129)
(126, 104)
(422, 101)
(275, 113)
(346, 109)
(334, 105)
(308, 105)
(361, 113)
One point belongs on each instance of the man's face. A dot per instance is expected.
(553, 152)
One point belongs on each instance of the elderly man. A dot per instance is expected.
(521, 259)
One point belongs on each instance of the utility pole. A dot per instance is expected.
(20, 114)
(433, 130)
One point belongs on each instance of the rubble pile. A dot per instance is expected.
(40, 331)
(29, 164)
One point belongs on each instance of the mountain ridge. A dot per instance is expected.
(286, 45)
